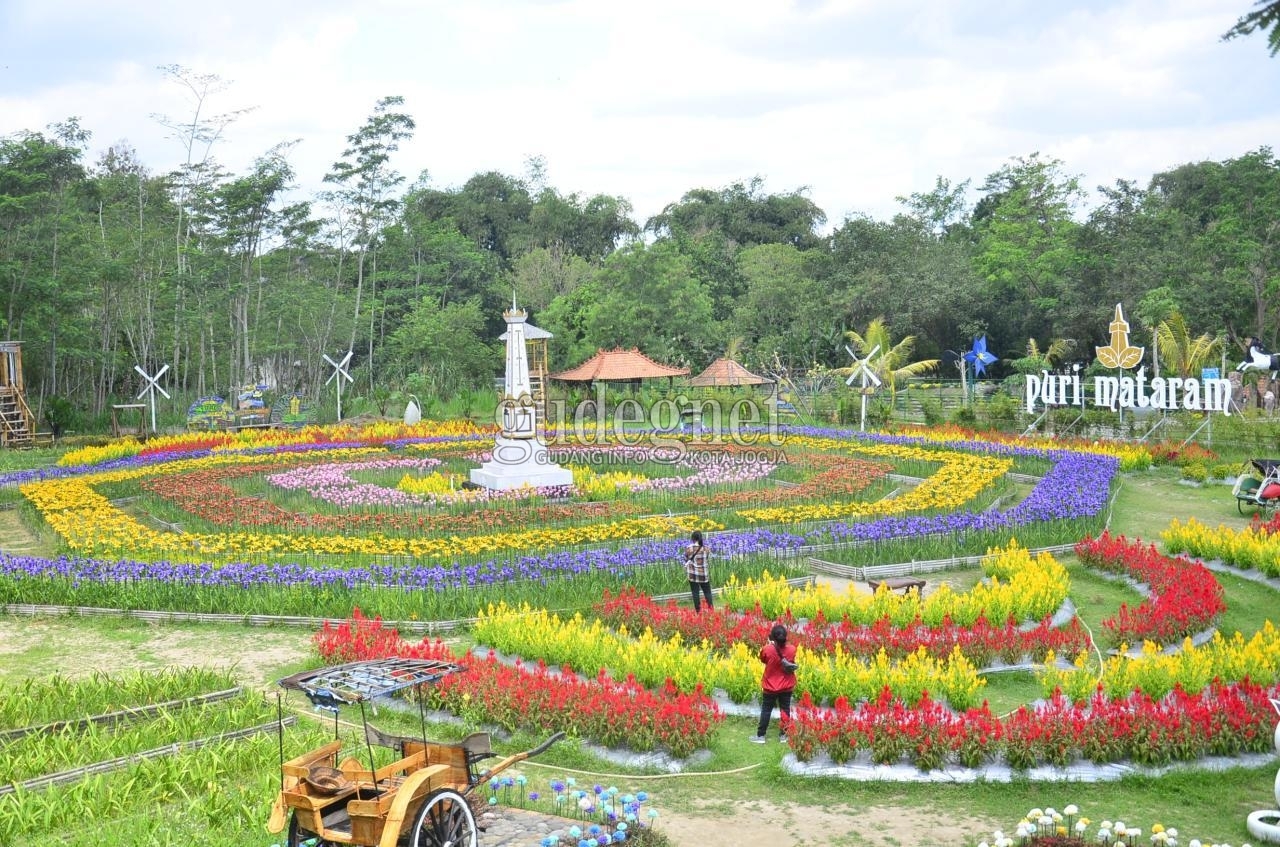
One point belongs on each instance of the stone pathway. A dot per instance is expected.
(508, 827)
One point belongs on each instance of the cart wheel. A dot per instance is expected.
(299, 837)
(445, 820)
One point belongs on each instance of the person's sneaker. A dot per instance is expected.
(757, 739)
(783, 738)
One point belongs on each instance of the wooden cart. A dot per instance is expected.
(417, 800)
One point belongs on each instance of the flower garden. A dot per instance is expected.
(555, 588)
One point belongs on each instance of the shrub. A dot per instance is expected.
(1195, 472)
(1224, 471)
(931, 408)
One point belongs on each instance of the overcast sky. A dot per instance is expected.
(859, 100)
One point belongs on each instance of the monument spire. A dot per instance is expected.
(520, 458)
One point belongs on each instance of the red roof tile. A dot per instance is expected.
(618, 365)
(727, 372)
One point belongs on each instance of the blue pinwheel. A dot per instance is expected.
(979, 357)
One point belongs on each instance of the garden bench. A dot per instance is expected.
(901, 584)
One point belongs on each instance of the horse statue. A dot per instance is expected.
(1258, 359)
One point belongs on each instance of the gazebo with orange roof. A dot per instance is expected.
(727, 372)
(619, 366)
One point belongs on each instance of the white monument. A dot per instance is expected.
(519, 456)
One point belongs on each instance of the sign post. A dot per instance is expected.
(150, 389)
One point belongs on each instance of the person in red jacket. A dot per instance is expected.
(778, 682)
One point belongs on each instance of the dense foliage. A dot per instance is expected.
(225, 278)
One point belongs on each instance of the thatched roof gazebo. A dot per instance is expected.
(725, 372)
(619, 366)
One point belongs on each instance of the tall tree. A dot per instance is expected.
(239, 216)
(649, 298)
(745, 215)
(924, 284)
(786, 312)
(199, 171)
(1027, 241)
(1226, 217)
(366, 181)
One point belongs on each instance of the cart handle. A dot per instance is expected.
(544, 746)
(518, 757)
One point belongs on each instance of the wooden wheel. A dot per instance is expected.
(445, 820)
(299, 835)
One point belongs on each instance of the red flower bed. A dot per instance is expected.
(842, 477)
(205, 494)
(983, 643)
(616, 714)
(1185, 598)
(1267, 527)
(1223, 720)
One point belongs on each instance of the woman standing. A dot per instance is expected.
(778, 682)
(695, 567)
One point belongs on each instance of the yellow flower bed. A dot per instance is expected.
(1244, 548)
(1227, 658)
(1020, 586)
(589, 646)
(1132, 457)
(959, 479)
(260, 437)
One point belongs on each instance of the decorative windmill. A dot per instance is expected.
(868, 378)
(979, 358)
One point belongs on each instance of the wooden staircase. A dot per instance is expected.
(17, 425)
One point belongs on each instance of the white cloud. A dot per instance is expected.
(860, 100)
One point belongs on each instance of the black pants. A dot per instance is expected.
(705, 588)
(769, 699)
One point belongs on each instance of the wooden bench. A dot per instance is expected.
(902, 584)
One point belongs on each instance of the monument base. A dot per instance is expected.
(518, 462)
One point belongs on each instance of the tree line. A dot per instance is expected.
(230, 280)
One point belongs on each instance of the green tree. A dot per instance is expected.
(1224, 216)
(924, 285)
(366, 181)
(446, 344)
(745, 215)
(1181, 352)
(545, 273)
(237, 217)
(785, 310)
(888, 360)
(1265, 18)
(650, 299)
(1026, 242)
(134, 250)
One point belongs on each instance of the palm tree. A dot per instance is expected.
(1182, 353)
(1037, 360)
(891, 362)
